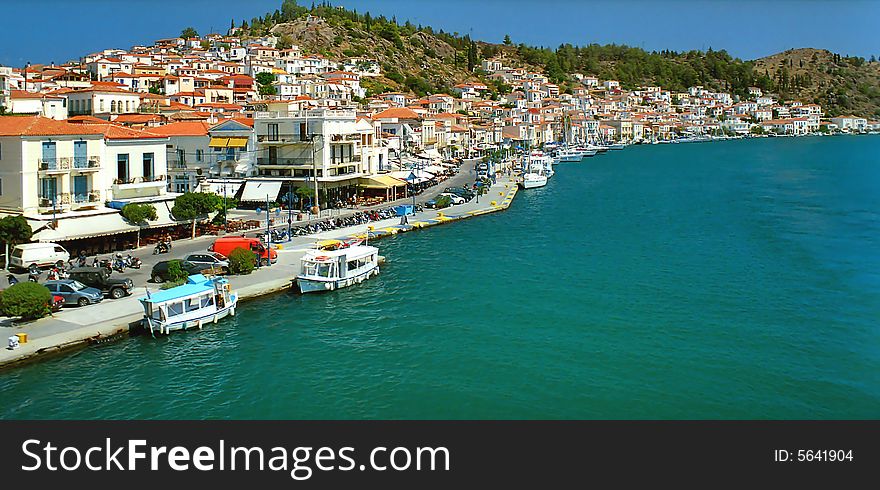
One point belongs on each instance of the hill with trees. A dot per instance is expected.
(420, 59)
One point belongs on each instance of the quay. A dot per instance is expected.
(117, 319)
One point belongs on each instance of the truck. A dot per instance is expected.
(100, 278)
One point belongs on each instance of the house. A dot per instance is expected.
(851, 123)
(51, 106)
(102, 101)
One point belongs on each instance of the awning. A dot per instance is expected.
(218, 142)
(380, 182)
(217, 187)
(74, 228)
(237, 143)
(257, 190)
(421, 175)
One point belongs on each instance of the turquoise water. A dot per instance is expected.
(717, 280)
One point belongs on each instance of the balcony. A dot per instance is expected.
(46, 204)
(139, 187)
(88, 199)
(282, 139)
(285, 162)
(64, 164)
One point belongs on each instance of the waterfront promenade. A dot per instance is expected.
(111, 319)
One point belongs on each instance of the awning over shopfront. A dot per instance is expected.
(257, 190)
(421, 176)
(77, 227)
(380, 182)
(229, 188)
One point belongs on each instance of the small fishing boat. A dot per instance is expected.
(327, 270)
(201, 300)
(532, 180)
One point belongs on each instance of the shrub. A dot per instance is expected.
(242, 261)
(176, 272)
(139, 213)
(443, 202)
(27, 300)
(172, 284)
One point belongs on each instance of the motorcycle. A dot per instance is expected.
(133, 262)
(161, 248)
(104, 264)
(34, 276)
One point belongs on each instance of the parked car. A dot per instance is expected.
(33, 255)
(482, 167)
(461, 192)
(209, 260)
(100, 278)
(160, 270)
(225, 245)
(433, 203)
(74, 292)
(455, 198)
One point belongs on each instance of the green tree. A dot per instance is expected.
(193, 206)
(205, 44)
(138, 214)
(27, 300)
(188, 33)
(284, 42)
(507, 41)
(265, 82)
(155, 89)
(242, 261)
(13, 231)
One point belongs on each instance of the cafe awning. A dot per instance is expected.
(257, 190)
(380, 182)
(74, 228)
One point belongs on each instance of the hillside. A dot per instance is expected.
(842, 84)
(421, 60)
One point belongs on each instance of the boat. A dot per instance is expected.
(616, 146)
(328, 270)
(586, 151)
(199, 301)
(531, 180)
(569, 155)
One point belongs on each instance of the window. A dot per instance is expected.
(303, 132)
(112, 106)
(148, 166)
(273, 131)
(122, 167)
(59, 250)
(100, 105)
(207, 301)
(199, 155)
(175, 309)
(193, 304)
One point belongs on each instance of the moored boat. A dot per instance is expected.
(328, 270)
(199, 301)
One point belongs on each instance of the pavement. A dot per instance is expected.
(77, 325)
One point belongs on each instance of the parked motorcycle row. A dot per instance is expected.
(361, 218)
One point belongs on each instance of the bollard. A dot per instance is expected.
(370, 228)
(494, 203)
(500, 193)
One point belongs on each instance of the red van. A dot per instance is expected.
(227, 244)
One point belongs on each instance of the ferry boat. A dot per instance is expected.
(201, 300)
(327, 270)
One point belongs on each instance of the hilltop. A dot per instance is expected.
(841, 84)
(421, 60)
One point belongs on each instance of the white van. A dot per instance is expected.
(39, 254)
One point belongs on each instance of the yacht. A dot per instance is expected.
(537, 169)
(328, 270)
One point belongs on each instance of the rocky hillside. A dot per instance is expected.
(841, 84)
(411, 61)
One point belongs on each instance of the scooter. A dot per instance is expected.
(133, 262)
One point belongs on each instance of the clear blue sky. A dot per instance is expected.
(42, 31)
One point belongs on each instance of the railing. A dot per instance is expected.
(60, 200)
(318, 113)
(87, 162)
(286, 161)
(62, 163)
(88, 197)
(139, 180)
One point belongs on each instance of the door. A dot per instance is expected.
(122, 168)
(80, 188)
(148, 166)
(49, 155)
(48, 190)
(273, 155)
(80, 156)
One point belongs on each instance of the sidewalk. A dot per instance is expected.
(77, 326)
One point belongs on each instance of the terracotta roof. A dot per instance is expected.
(41, 126)
(397, 112)
(21, 94)
(183, 128)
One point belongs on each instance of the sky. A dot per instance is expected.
(747, 29)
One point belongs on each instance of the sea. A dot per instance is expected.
(723, 280)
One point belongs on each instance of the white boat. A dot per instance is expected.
(586, 151)
(532, 180)
(328, 270)
(541, 164)
(201, 300)
(616, 146)
(569, 155)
